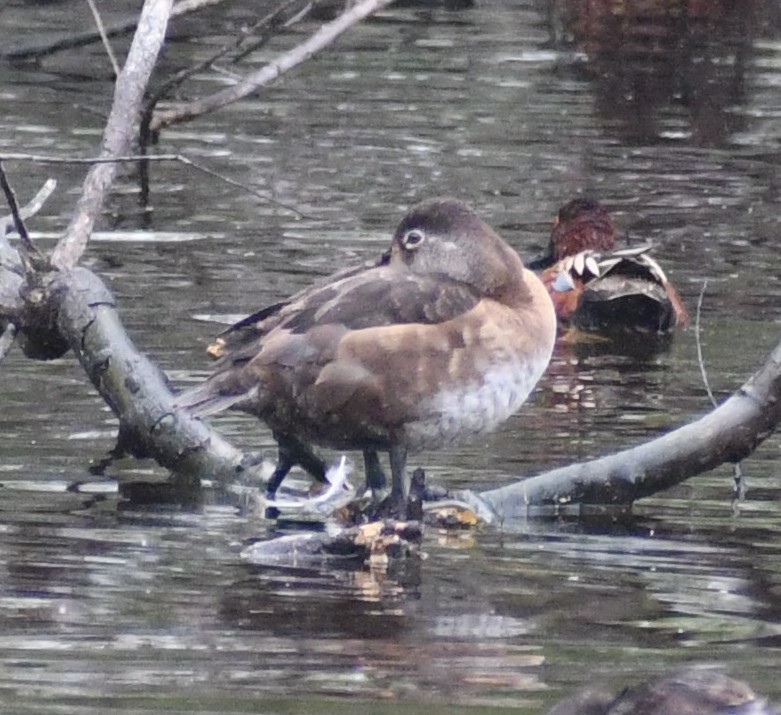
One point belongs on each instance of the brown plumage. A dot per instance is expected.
(630, 293)
(442, 339)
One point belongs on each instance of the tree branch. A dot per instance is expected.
(104, 37)
(135, 389)
(727, 434)
(88, 38)
(31, 256)
(322, 38)
(120, 130)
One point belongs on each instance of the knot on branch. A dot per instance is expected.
(39, 335)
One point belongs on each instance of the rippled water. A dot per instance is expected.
(516, 106)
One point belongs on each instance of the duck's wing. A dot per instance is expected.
(307, 332)
(250, 329)
(245, 330)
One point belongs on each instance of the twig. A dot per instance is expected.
(180, 77)
(88, 38)
(104, 37)
(31, 208)
(119, 131)
(322, 38)
(259, 42)
(7, 340)
(32, 258)
(701, 362)
(739, 491)
(49, 159)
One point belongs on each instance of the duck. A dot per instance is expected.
(595, 287)
(689, 691)
(441, 339)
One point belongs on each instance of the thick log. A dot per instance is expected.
(728, 434)
(134, 387)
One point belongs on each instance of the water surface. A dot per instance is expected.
(672, 119)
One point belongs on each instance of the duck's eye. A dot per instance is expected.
(412, 239)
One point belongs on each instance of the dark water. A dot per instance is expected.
(671, 116)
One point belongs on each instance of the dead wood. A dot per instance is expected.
(92, 36)
(728, 434)
(322, 38)
(135, 389)
(120, 130)
(367, 544)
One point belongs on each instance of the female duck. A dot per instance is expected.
(441, 340)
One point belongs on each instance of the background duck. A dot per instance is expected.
(690, 691)
(441, 340)
(594, 287)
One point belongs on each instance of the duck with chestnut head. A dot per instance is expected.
(597, 288)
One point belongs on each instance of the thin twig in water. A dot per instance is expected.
(740, 481)
(104, 37)
(7, 340)
(701, 362)
(49, 159)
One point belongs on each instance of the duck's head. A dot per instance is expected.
(582, 224)
(444, 236)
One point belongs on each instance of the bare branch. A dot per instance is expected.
(87, 38)
(322, 38)
(120, 129)
(7, 340)
(180, 77)
(30, 208)
(104, 37)
(31, 256)
(727, 434)
(134, 388)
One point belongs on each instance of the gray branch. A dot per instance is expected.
(120, 130)
(135, 389)
(728, 434)
(322, 38)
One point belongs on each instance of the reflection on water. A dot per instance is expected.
(666, 111)
(661, 63)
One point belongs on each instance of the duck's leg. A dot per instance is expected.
(375, 477)
(292, 451)
(399, 482)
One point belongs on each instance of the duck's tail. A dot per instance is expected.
(217, 394)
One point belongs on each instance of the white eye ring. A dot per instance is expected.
(413, 238)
